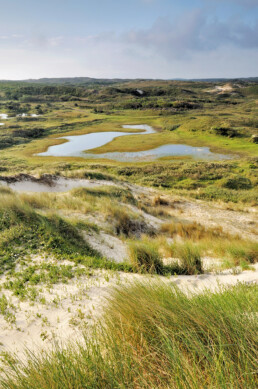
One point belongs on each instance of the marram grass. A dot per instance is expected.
(154, 336)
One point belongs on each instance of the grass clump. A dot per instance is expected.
(194, 231)
(190, 258)
(7, 309)
(155, 336)
(145, 257)
(125, 221)
(5, 190)
(111, 192)
(243, 253)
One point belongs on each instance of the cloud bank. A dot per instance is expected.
(197, 44)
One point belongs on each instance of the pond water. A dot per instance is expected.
(170, 150)
(79, 146)
(58, 185)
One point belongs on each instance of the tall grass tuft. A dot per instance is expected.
(190, 258)
(145, 257)
(154, 336)
(125, 221)
(194, 231)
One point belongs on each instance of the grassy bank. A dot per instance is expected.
(155, 336)
(59, 226)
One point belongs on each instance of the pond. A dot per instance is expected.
(79, 146)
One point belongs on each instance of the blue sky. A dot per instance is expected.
(136, 38)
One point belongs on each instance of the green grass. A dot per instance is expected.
(7, 309)
(25, 232)
(29, 226)
(145, 257)
(193, 240)
(154, 336)
(110, 192)
(189, 256)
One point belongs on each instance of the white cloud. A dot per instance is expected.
(194, 32)
(193, 46)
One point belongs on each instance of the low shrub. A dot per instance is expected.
(237, 183)
(225, 131)
(228, 195)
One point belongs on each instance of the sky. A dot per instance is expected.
(128, 38)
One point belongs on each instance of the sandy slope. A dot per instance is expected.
(62, 310)
(77, 304)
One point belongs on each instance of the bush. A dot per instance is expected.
(237, 183)
(173, 128)
(29, 133)
(225, 131)
(127, 225)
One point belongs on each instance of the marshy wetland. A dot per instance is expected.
(109, 226)
(77, 146)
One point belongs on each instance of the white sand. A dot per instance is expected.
(70, 307)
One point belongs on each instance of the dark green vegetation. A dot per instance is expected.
(227, 181)
(154, 336)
